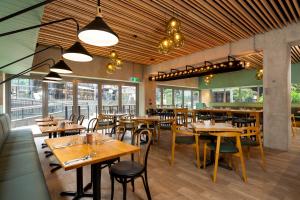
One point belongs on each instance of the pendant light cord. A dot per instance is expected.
(99, 12)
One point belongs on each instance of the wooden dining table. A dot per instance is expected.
(202, 129)
(46, 119)
(72, 148)
(155, 120)
(57, 129)
(53, 122)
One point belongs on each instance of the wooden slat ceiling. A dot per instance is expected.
(256, 59)
(205, 24)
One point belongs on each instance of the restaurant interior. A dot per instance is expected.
(117, 99)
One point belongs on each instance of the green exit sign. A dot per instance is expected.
(135, 79)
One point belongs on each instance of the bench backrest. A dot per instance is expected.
(5, 127)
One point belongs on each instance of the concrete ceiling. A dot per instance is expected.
(18, 45)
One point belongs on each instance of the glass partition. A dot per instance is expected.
(178, 101)
(167, 97)
(110, 98)
(129, 99)
(158, 97)
(187, 96)
(60, 99)
(196, 98)
(88, 100)
(26, 101)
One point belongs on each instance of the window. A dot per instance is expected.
(196, 98)
(110, 98)
(178, 100)
(60, 99)
(167, 97)
(187, 95)
(158, 97)
(241, 94)
(88, 100)
(26, 101)
(129, 99)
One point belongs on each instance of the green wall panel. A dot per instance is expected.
(242, 78)
(21, 44)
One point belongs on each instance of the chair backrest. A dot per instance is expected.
(142, 139)
(179, 129)
(92, 125)
(72, 117)
(181, 116)
(120, 132)
(80, 119)
(293, 120)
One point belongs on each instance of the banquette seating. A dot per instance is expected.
(21, 175)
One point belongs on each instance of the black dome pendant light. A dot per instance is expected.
(97, 32)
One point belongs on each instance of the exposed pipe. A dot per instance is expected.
(34, 67)
(55, 45)
(25, 10)
(40, 25)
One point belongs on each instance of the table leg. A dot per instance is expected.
(79, 187)
(96, 181)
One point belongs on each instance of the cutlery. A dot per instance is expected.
(86, 157)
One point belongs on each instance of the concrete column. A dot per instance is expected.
(206, 96)
(277, 85)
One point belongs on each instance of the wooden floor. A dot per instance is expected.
(281, 180)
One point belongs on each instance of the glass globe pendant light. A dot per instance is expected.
(166, 45)
(97, 32)
(173, 26)
(118, 63)
(110, 68)
(178, 39)
(259, 74)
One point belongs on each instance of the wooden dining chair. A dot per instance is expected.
(181, 116)
(128, 170)
(252, 138)
(183, 136)
(229, 147)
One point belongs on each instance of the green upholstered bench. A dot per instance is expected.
(21, 175)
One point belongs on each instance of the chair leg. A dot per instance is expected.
(173, 150)
(124, 184)
(132, 184)
(239, 146)
(262, 154)
(146, 185)
(197, 151)
(112, 187)
(217, 159)
(204, 155)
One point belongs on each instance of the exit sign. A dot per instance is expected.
(135, 79)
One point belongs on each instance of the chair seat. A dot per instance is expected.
(249, 142)
(126, 169)
(185, 139)
(243, 120)
(225, 147)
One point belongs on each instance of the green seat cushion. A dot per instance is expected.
(14, 166)
(27, 187)
(186, 139)
(225, 147)
(13, 148)
(249, 142)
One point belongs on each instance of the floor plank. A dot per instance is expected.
(280, 181)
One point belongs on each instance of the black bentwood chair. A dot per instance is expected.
(127, 171)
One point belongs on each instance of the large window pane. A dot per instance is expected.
(158, 97)
(167, 97)
(26, 101)
(110, 98)
(88, 100)
(129, 99)
(60, 99)
(178, 98)
(187, 98)
(196, 98)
